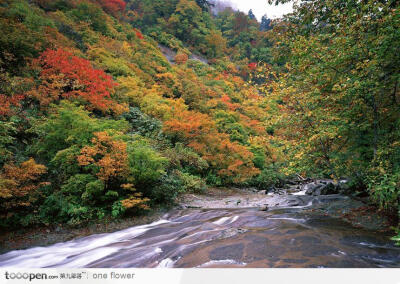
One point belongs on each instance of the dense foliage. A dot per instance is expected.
(336, 102)
(96, 121)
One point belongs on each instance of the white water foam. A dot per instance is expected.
(224, 220)
(222, 262)
(288, 219)
(85, 249)
(167, 263)
(303, 192)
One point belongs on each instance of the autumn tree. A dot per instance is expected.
(181, 58)
(69, 127)
(114, 7)
(63, 75)
(9, 103)
(18, 185)
(230, 159)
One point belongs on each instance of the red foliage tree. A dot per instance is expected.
(226, 100)
(139, 34)
(64, 75)
(114, 7)
(252, 65)
(8, 102)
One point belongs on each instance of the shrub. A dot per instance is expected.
(186, 159)
(143, 124)
(192, 183)
(69, 126)
(18, 188)
(167, 189)
(269, 176)
(32, 17)
(145, 164)
(397, 238)
(91, 14)
(18, 45)
(6, 140)
(385, 190)
(181, 58)
(214, 180)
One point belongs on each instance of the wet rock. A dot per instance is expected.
(344, 263)
(253, 189)
(318, 250)
(234, 252)
(321, 187)
(296, 260)
(292, 232)
(323, 199)
(229, 233)
(328, 188)
(310, 188)
(294, 202)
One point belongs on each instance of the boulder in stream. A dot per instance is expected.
(322, 187)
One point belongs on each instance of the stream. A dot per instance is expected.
(239, 234)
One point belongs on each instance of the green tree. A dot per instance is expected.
(339, 99)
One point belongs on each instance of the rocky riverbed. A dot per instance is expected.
(322, 196)
(305, 224)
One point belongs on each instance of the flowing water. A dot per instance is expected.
(243, 237)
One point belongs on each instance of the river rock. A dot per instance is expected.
(311, 187)
(253, 189)
(294, 202)
(329, 188)
(321, 188)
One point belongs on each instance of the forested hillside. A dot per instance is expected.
(97, 122)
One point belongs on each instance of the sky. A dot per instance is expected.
(261, 7)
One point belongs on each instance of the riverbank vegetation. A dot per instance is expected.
(97, 122)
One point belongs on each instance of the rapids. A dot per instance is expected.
(281, 236)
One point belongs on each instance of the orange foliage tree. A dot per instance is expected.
(181, 58)
(17, 183)
(109, 156)
(231, 159)
(106, 153)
